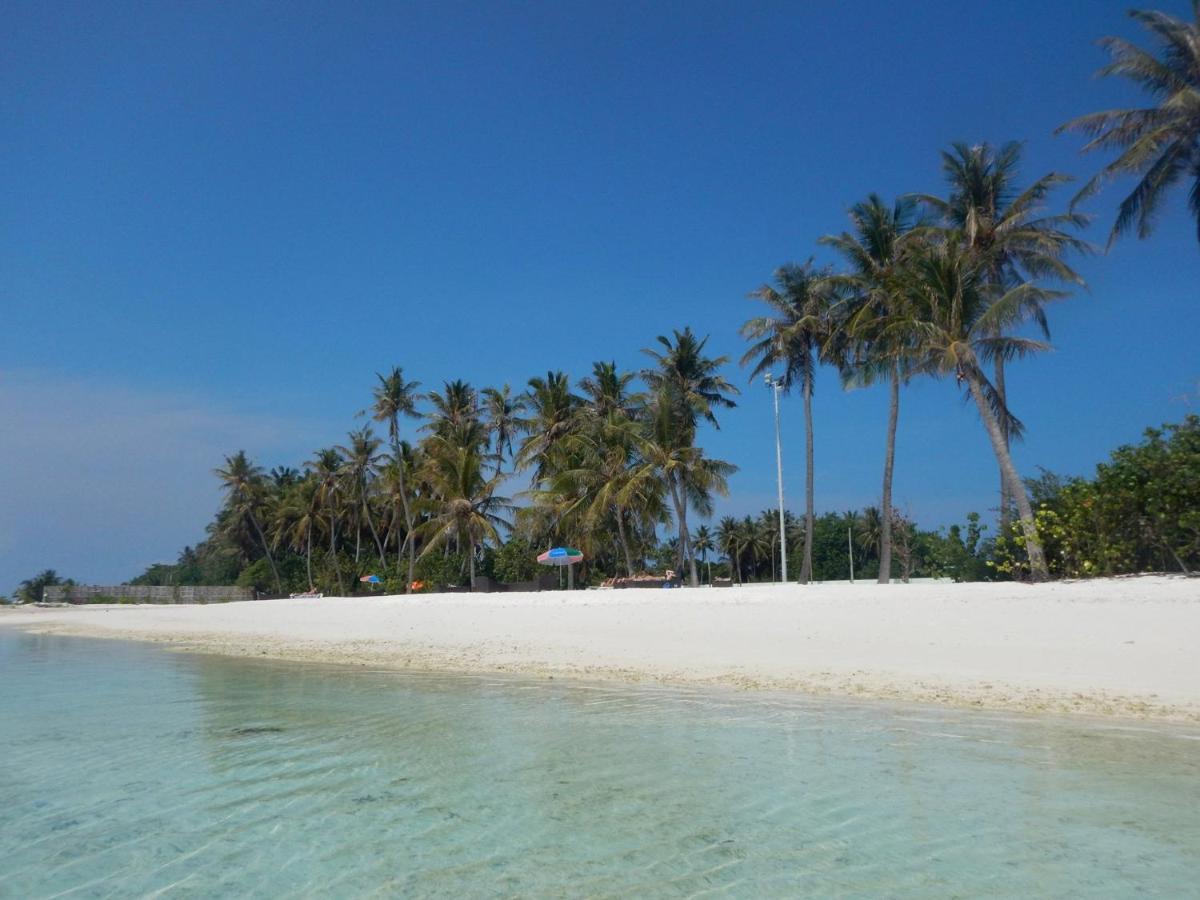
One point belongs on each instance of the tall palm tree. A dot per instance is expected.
(793, 337)
(502, 411)
(552, 407)
(691, 379)
(327, 469)
(667, 454)
(468, 509)
(729, 540)
(295, 519)
(360, 469)
(606, 391)
(245, 492)
(1007, 229)
(396, 398)
(703, 542)
(1161, 143)
(876, 251)
(958, 319)
(456, 414)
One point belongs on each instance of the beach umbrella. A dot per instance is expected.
(562, 556)
(371, 579)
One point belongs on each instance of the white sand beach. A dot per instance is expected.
(1123, 647)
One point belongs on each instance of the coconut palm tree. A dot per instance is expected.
(692, 380)
(468, 508)
(729, 541)
(295, 518)
(502, 411)
(359, 469)
(327, 470)
(703, 542)
(553, 407)
(606, 391)
(689, 478)
(957, 319)
(245, 493)
(1007, 229)
(876, 251)
(396, 398)
(1159, 144)
(793, 337)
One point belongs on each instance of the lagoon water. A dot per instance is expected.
(129, 770)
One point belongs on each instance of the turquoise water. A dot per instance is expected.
(127, 770)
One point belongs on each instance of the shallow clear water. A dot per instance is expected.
(127, 770)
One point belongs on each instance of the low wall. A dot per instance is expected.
(144, 593)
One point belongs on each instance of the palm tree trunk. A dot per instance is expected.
(885, 527)
(806, 565)
(684, 539)
(1037, 558)
(374, 532)
(624, 541)
(408, 522)
(267, 551)
(337, 568)
(308, 553)
(1006, 491)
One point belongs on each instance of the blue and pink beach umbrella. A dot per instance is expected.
(562, 556)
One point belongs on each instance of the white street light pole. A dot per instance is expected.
(774, 384)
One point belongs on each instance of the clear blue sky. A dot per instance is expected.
(220, 220)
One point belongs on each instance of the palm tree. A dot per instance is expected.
(359, 468)
(607, 391)
(553, 409)
(690, 378)
(729, 540)
(502, 411)
(957, 319)
(456, 415)
(1160, 144)
(469, 509)
(876, 253)
(703, 543)
(245, 492)
(395, 397)
(327, 469)
(794, 336)
(1007, 230)
(295, 517)
(689, 478)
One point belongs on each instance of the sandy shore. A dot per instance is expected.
(1126, 647)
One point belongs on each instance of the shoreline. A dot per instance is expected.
(1116, 648)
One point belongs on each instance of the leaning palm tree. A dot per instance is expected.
(1008, 231)
(793, 337)
(245, 493)
(1159, 144)
(957, 320)
(876, 251)
(394, 398)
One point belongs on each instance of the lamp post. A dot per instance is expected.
(776, 386)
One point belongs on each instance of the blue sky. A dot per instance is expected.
(219, 221)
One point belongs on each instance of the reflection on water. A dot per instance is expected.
(128, 770)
